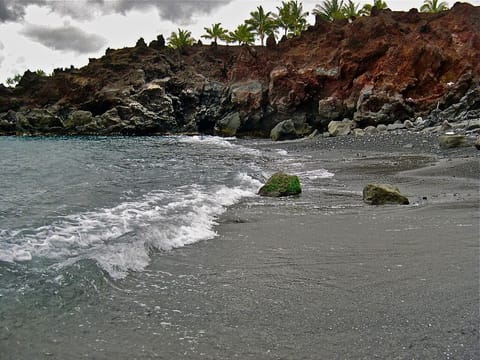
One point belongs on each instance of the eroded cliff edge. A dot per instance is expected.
(382, 69)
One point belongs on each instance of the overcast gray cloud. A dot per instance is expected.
(2, 57)
(64, 38)
(175, 10)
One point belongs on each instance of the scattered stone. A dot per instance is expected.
(314, 134)
(284, 130)
(380, 194)
(408, 124)
(395, 126)
(370, 130)
(338, 128)
(281, 184)
(446, 125)
(477, 143)
(473, 125)
(452, 141)
(382, 128)
(358, 132)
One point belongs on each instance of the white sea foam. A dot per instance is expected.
(317, 174)
(217, 141)
(207, 140)
(121, 238)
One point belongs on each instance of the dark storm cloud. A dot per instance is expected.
(64, 38)
(13, 10)
(174, 10)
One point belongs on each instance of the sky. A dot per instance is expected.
(49, 34)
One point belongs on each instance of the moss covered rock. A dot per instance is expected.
(380, 194)
(281, 184)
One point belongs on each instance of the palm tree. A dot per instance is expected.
(262, 23)
(243, 34)
(299, 18)
(379, 4)
(181, 39)
(282, 19)
(215, 32)
(291, 17)
(351, 10)
(434, 6)
(330, 10)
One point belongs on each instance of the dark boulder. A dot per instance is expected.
(380, 194)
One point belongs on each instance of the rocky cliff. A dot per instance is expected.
(381, 69)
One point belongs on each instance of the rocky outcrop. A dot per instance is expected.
(281, 184)
(381, 194)
(38, 122)
(383, 72)
(379, 107)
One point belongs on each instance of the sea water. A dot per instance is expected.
(80, 215)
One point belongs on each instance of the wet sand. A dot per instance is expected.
(359, 281)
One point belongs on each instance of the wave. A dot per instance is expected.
(120, 239)
(217, 141)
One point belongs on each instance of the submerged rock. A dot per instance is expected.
(281, 184)
(380, 194)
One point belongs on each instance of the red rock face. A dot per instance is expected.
(416, 59)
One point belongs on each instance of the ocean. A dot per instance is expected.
(91, 228)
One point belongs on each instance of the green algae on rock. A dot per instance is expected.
(281, 184)
(380, 194)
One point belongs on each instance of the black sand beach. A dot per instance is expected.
(359, 281)
(319, 276)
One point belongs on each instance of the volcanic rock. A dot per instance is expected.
(284, 130)
(452, 141)
(337, 128)
(380, 194)
(376, 70)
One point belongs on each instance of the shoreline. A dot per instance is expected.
(368, 281)
(318, 276)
